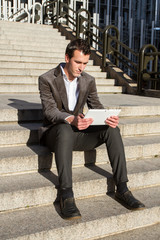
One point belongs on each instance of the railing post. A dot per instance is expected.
(142, 64)
(140, 69)
(89, 26)
(107, 42)
(104, 51)
(79, 23)
(58, 11)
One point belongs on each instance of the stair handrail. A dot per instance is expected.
(107, 43)
(33, 9)
(138, 67)
(14, 14)
(47, 4)
(148, 53)
(100, 41)
(75, 22)
(80, 19)
(103, 41)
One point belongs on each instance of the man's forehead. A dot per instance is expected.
(79, 53)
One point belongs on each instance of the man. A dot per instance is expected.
(64, 91)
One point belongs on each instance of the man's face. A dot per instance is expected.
(75, 65)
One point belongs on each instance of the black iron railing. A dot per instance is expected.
(142, 66)
(148, 76)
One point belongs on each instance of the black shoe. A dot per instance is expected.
(69, 209)
(129, 201)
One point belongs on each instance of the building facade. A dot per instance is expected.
(138, 21)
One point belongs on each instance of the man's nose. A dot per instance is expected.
(82, 67)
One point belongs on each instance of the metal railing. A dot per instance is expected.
(148, 75)
(25, 15)
(142, 66)
(19, 15)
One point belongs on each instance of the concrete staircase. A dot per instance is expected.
(27, 52)
(28, 174)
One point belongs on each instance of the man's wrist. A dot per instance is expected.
(70, 119)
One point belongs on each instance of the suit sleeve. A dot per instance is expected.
(93, 101)
(49, 104)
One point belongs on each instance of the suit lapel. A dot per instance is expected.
(82, 92)
(61, 88)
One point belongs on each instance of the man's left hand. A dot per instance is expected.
(113, 121)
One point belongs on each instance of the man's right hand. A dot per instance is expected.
(80, 122)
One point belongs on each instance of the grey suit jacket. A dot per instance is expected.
(54, 97)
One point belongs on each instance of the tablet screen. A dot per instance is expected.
(100, 115)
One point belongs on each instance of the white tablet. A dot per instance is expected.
(100, 115)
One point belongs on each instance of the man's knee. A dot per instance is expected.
(64, 130)
(114, 131)
(112, 137)
(111, 132)
(60, 134)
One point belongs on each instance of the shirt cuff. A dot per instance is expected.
(67, 118)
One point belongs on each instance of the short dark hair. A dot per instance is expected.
(78, 44)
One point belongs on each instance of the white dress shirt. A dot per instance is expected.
(72, 90)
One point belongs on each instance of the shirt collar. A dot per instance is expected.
(64, 75)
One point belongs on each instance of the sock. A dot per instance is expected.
(122, 187)
(66, 193)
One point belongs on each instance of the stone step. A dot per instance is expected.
(52, 35)
(9, 24)
(19, 134)
(34, 65)
(111, 89)
(34, 59)
(38, 42)
(30, 59)
(20, 107)
(30, 29)
(37, 72)
(43, 39)
(133, 111)
(140, 126)
(18, 88)
(32, 48)
(27, 132)
(14, 33)
(105, 81)
(98, 219)
(34, 113)
(34, 157)
(132, 105)
(28, 88)
(35, 53)
(23, 108)
(133, 85)
(18, 79)
(31, 189)
(25, 26)
(34, 80)
(142, 233)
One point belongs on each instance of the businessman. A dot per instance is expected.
(64, 91)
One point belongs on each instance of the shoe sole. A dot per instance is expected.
(71, 218)
(127, 206)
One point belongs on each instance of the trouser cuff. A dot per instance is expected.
(122, 187)
(66, 193)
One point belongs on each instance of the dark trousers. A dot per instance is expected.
(63, 138)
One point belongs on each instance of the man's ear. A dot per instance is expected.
(67, 59)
